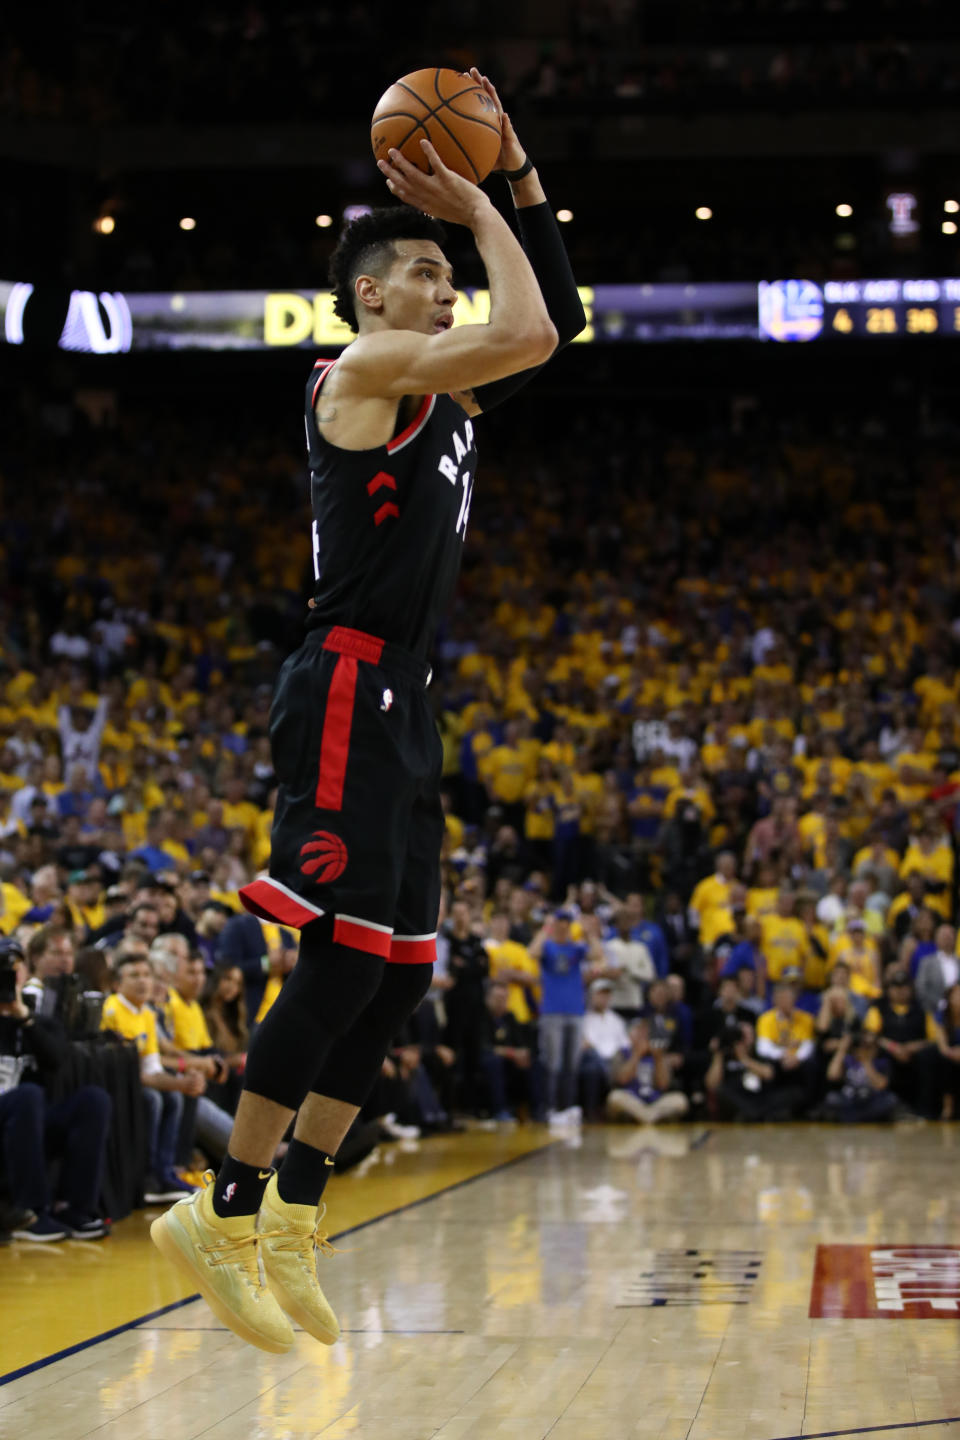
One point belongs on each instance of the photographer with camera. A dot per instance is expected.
(32, 1048)
(740, 1084)
(860, 1075)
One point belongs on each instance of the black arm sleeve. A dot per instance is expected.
(544, 248)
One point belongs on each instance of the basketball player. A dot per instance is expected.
(355, 848)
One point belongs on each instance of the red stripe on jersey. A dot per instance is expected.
(386, 510)
(413, 951)
(416, 424)
(337, 723)
(361, 937)
(379, 480)
(354, 642)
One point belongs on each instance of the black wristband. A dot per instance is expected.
(512, 175)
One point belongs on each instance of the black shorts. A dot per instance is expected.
(358, 824)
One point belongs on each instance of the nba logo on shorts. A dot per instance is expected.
(327, 856)
(387, 700)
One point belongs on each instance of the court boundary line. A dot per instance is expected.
(111, 1334)
(874, 1429)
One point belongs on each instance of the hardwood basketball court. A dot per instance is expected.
(757, 1283)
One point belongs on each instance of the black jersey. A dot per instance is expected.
(389, 522)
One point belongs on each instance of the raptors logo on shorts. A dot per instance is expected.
(327, 856)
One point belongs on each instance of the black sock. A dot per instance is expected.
(303, 1174)
(238, 1189)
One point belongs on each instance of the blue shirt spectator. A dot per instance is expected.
(74, 802)
(561, 977)
(154, 858)
(646, 804)
(744, 953)
(643, 1084)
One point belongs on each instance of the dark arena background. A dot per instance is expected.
(698, 697)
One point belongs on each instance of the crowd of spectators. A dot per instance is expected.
(285, 63)
(701, 729)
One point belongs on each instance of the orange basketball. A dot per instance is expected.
(450, 110)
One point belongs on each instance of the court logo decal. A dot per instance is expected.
(692, 1277)
(886, 1282)
(327, 857)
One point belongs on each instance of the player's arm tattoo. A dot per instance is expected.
(325, 416)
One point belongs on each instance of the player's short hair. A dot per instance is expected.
(366, 248)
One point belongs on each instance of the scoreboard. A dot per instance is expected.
(115, 321)
(891, 307)
(837, 309)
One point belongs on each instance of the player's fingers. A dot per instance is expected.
(401, 163)
(389, 172)
(436, 164)
(491, 90)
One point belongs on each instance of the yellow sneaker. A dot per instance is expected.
(290, 1237)
(220, 1257)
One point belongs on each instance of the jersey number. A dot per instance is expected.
(464, 515)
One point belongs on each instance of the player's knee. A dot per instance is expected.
(330, 985)
(403, 988)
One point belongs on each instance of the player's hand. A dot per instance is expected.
(512, 154)
(442, 194)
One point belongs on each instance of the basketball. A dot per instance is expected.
(450, 110)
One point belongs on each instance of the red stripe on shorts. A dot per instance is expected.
(414, 951)
(335, 744)
(354, 642)
(270, 901)
(361, 937)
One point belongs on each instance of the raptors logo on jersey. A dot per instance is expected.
(326, 857)
(389, 522)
